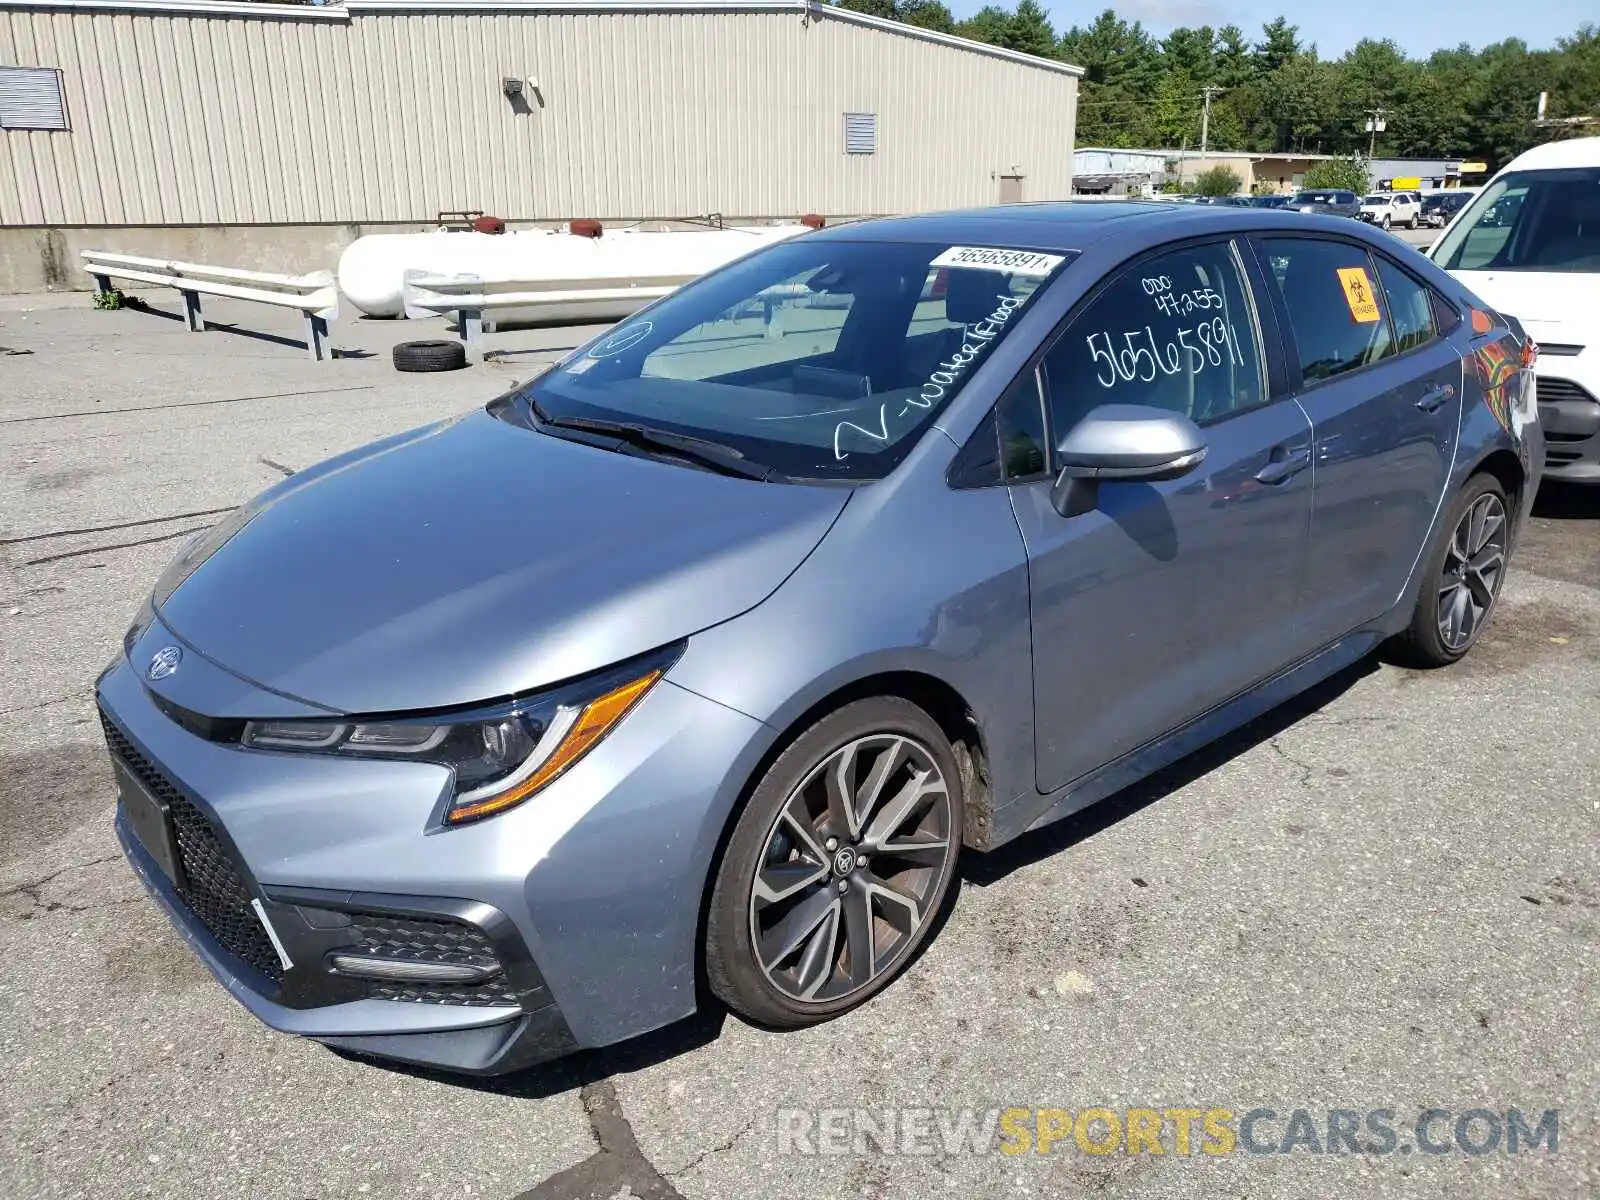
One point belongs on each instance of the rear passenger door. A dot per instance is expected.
(1383, 391)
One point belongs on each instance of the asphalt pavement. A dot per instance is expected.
(1385, 897)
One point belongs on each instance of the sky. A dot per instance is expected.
(1420, 26)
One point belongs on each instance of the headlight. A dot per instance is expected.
(501, 755)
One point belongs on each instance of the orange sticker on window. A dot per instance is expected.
(1358, 294)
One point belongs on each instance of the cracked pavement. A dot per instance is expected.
(1386, 894)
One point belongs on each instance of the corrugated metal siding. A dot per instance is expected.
(187, 119)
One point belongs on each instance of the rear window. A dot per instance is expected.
(822, 358)
(1528, 221)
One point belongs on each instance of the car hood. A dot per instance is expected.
(1554, 306)
(476, 559)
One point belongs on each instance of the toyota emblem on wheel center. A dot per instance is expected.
(165, 662)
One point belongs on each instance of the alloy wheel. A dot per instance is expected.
(1473, 565)
(851, 868)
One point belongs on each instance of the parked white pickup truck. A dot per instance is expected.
(1391, 208)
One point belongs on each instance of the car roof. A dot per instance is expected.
(1574, 152)
(1052, 225)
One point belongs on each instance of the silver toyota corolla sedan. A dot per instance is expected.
(699, 661)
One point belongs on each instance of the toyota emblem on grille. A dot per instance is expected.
(165, 662)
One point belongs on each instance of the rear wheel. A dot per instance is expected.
(837, 867)
(1463, 575)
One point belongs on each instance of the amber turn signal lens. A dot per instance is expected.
(593, 723)
(1530, 352)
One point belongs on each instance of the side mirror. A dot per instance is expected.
(1123, 442)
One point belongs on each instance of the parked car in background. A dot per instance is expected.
(1332, 202)
(1529, 244)
(1438, 208)
(807, 601)
(1385, 209)
(1269, 201)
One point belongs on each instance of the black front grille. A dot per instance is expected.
(426, 939)
(213, 886)
(1553, 391)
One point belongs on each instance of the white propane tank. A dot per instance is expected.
(372, 269)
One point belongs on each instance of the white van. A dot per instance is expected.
(1529, 244)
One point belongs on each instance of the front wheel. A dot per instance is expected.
(837, 867)
(1462, 577)
(1385, 221)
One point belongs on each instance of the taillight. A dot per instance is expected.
(1530, 352)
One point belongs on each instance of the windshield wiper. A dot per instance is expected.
(714, 456)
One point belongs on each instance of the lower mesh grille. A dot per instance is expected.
(386, 935)
(213, 886)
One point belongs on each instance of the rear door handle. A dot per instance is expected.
(1434, 397)
(1280, 469)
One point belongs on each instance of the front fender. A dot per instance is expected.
(882, 595)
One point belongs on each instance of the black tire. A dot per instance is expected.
(733, 968)
(1423, 643)
(437, 355)
(1386, 222)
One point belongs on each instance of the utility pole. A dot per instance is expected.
(1375, 125)
(1205, 121)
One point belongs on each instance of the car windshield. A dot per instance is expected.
(1376, 200)
(1313, 198)
(1528, 221)
(819, 358)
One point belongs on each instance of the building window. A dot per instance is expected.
(860, 133)
(31, 98)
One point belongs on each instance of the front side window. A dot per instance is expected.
(820, 358)
(1175, 332)
(1410, 307)
(1335, 308)
(1528, 221)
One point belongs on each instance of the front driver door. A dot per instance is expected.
(1169, 597)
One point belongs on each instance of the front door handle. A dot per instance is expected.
(1280, 469)
(1434, 397)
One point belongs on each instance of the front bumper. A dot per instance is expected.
(1570, 416)
(586, 899)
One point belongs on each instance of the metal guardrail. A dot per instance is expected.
(471, 298)
(316, 295)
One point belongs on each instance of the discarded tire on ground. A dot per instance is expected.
(437, 355)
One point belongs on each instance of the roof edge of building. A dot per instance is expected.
(336, 11)
(933, 35)
(197, 8)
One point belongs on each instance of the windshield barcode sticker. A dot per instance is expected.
(989, 258)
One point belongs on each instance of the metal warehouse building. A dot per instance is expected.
(270, 135)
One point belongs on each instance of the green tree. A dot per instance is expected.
(1191, 52)
(1234, 68)
(1029, 30)
(1280, 44)
(927, 14)
(1218, 181)
(1347, 173)
(873, 8)
(1123, 69)
(989, 24)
